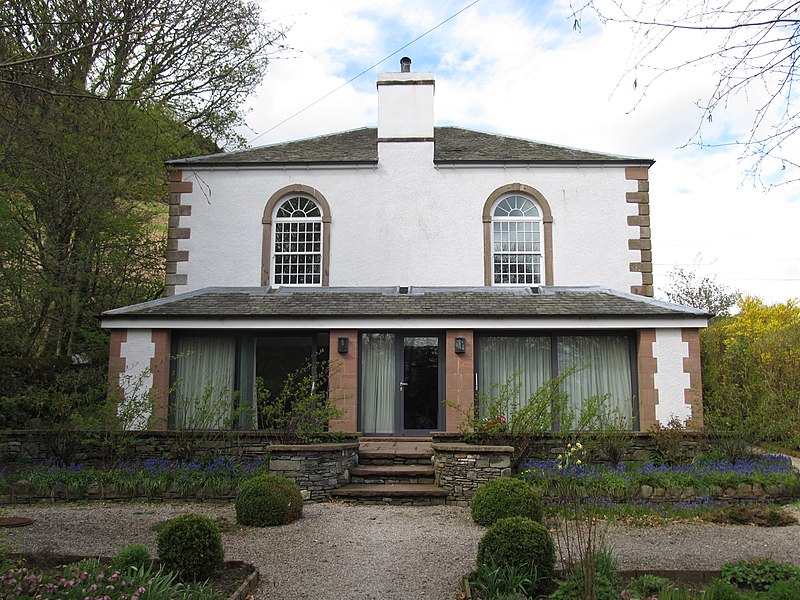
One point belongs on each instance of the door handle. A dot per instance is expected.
(403, 384)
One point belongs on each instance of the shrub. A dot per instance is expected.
(647, 585)
(502, 582)
(521, 543)
(268, 500)
(504, 497)
(135, 555)
(721, 590)
(594, 577)
(191, 546)
(784, 590)
(300, 411)
(758, 574)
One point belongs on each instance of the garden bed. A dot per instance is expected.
(151, 479)
(768, 478)
(317, 468)
(685, 579)
(235, 581)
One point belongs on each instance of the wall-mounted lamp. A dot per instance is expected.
(343, 345)
(461, 345)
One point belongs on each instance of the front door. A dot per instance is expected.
(419, 387)
(400, 389)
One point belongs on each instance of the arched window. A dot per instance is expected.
(517, 237)
(296, 238)
(297, 244)
(517, 249)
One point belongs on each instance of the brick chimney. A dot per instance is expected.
(405, 105)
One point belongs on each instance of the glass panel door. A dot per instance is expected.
(419, 388)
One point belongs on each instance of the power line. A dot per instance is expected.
(365, 71)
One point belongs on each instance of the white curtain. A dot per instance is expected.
(205, 381)
(499, 358)
(377, 383)
(608, 371)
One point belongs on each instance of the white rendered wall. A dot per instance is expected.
(669, 350)
(137, 380)
(406, 222)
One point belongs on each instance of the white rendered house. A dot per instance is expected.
(429, 262)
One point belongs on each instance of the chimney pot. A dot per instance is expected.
(405, 65)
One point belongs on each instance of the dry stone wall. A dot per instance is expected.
(462, 468)
(318, 468)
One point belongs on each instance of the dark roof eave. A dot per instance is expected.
(207, 163)
(320, 163)
(577, 161)
(177, 317)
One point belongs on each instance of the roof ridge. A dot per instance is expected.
(453, 145)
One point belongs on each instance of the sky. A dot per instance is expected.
(520, 68)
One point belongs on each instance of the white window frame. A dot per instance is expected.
(277, 222)
(538, 224)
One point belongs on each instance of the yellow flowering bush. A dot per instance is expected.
(751, 371)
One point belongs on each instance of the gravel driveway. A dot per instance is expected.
(340, 551)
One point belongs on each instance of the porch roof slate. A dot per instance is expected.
(476, 302)
(454, 145)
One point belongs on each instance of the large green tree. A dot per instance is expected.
(94, 96)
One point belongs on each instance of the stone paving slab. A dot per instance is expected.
(377, 490)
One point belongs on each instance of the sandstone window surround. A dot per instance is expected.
(296, 238)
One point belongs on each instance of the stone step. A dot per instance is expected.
(393, 473)
(395, 440)
(397, 451)
(388, 459)
(391, 493)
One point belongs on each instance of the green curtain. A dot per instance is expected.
(205, 381)
(499, 358)
(377, 383)
(608, 370)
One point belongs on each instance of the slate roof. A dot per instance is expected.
(452, 145)
(481, 302)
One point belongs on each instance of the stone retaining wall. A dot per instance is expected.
(38, 445)
(744, 492)
(546, 446)
(462, 468)
(317, 468)
(27, 447)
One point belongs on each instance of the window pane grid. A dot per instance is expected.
(517, 251)
(298, 252)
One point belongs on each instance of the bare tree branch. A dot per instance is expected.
(753, 50)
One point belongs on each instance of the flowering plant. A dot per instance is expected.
(90, 580)
(571, 458)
